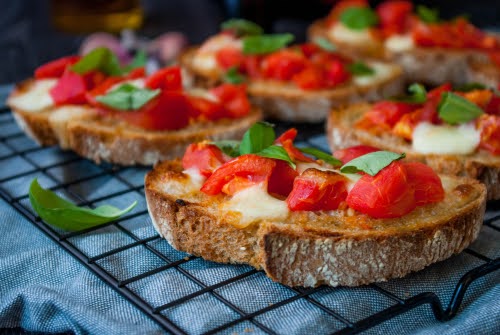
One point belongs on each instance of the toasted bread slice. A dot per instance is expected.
(285, 101)
(431, 65)
(315, 248)
(486, 73)
(103, 138)
(481, 165)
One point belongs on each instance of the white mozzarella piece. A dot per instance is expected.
(197, 179)
(254, 203)
(37, 98)
(445, 139)
(203, 93)
(399, 43)
(340, 33)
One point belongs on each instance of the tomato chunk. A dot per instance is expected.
(55, 68)
(348, 154)
(229, 57)
(280, 182)
(427, 184)
(203, 156)
(386, 114)
(69, 89)
(166, 79)
(283, 65)
(394, 16)
(316, 190)
(286, 140)
(489, 126)
(233, 98)
(388, 194)
(205, 108)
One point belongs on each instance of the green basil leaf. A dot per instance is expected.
(229, 147)
(128, 97)
(242, 27)
(418, 95)
(359, 18)
(276, 152)
(371, 163)
(67, 216)
(454, 109)
(258, 137)
(101, 59)
(470, 87)
(139, 60)
(232, 76)
(325, 44)
(360, 69)
(327, 158)
(428, 15)
(263, 44)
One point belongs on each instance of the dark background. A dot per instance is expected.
(28, 38)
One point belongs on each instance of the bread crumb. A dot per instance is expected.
(243, 248)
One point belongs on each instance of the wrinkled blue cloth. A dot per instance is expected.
(44, 289)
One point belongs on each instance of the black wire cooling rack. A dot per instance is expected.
(21, 160)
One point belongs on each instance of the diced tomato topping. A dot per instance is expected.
(336, 73)
(341, 6)
(166, 79)
(137, 73)
(427, 184)
(394, 16)
(348, 154)
(229, 57)
(479, 97)
(387, 113)
(435, 94)
(489, 126)
(204, 157)
(251, 66)
(281, 180)
(283, 65)
(311, 78)
(493, 106)
(101, 89)
(69, 89)
(388, 194)
(168, 111)
(208, 109)
(286, 140)
(316, 190)
(233, 99)
(247, 169)
(55, 68)
(309, 49)
(290, 134)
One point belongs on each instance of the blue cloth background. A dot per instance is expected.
(44, 289)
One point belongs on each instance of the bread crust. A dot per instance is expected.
(315, 248)
(287, 102)
(481, 165)
(103, 138)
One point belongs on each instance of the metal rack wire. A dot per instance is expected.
(66, 173)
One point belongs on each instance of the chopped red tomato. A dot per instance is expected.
(435, 94)
(290, 134)
(479, 97)
(137, 73)
(208, 109)
(251, 66)
(489, 126)
(388, 194)
(167, 79)
(386, 114)
(427, 184)
(229, 57)
(69, 89)
(336, 73)
(493, 106)
(286, 140)
(309, 49)
(168, 111)
(316, 190)
(244, 169)
(55, 68)
(233, 98)
(101, 89)
(394, 16)
(348, 154)
(341, 6)
(203, 156)
(281, 180)
(283, 65)
(310, 78)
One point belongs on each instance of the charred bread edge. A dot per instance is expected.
(300, 257)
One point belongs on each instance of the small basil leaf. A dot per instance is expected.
(325, 44)
(371, 163)
(418, 95)
(263, 44)
(67, 216)
(360, 69)
(242, 27)
(232, 76)
(327, 158)
(139, 60)
(127, 97)
(470, 87)
(454, 109)
(276, 152)
(101, 59)
(428, 15)
(260, 136)
(229, 147)
(359, 18)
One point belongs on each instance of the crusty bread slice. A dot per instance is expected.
(285, 101)
(481, 165)
(432, 65)
(486, 73)
(315, 248)
(103, 138)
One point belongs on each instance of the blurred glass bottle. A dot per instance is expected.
(85, 16)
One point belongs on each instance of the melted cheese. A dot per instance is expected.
(253, 204)
(445, 139)
(399, 43)
(382, 72)
(197, 179)
(340, 33)
(36, 98)
(352, 178)
(205, 60)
